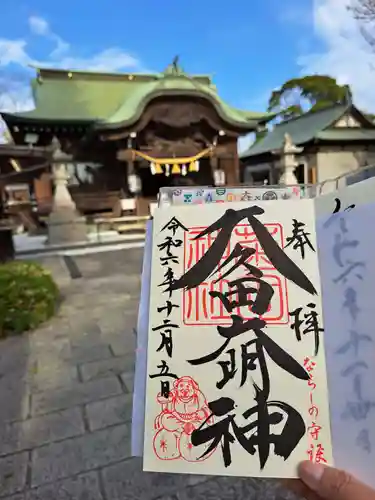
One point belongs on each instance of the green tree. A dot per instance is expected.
(308, 93)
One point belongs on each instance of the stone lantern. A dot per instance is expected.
(65, 224)
(288, 161)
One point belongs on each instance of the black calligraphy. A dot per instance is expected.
(305, 322)
(250, 290)
(166, 327)
(299, 239)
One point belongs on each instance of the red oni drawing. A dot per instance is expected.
(200, 309)
(181, 413)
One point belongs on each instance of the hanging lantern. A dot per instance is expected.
(152, 168)
(183, 170)
(197, 165)
(134, 183)
(176, 169)
(167, 170)
(219, 177)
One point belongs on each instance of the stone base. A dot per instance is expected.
(66, 226)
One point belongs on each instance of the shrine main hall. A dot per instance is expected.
(125, 135)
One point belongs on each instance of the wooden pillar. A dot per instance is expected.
(43, 192)
(214, 164)
(142, 205)
(313, 175)
(229, 162)
(123, 157)
(122, 172)
(272, 174)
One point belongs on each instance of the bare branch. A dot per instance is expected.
(364, 12)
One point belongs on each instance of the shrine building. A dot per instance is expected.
(334, 141)
(128, 135)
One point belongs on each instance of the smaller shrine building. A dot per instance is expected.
(334, 141)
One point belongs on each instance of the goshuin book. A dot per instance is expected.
(236, 378)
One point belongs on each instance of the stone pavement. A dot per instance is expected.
(66, 396)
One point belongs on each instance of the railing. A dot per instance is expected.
(347, 179)
(327, 186)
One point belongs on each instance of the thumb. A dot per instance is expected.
(333, 484)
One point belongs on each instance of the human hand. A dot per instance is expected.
(319, 482)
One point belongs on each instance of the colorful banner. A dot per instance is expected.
(203, 195)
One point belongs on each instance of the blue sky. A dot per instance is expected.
(249, 46)
(250, 49)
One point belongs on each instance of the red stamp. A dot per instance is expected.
(181, 413)
(200, 309)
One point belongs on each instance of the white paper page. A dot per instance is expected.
(172, 416)
(346, 254)
(138, 411)
(360, 194)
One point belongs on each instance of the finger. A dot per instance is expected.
(333, 484)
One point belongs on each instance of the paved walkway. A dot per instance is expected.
(66, 396)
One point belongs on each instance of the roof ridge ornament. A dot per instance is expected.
(175, 62)
(348, 96)
(174, 69)
(289, 148)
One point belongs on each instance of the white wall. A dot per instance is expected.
(333, 162)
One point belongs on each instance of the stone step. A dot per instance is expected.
(102, 244)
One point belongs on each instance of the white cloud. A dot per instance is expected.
(16, 52)
(15, 58)
(346, 55)
(112, 59)
(13, 51)
(39, 26)
(61, 47)
(295, 12)
(14, 96)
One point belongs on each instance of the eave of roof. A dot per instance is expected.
(302, 130)
(20, 151)
(350, 134)
(110, 100)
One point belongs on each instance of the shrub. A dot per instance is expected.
(28, 296)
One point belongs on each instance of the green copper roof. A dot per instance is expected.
(179, 84)
(113, 99)
(302, 130)
(349, 134)
(80, 98)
